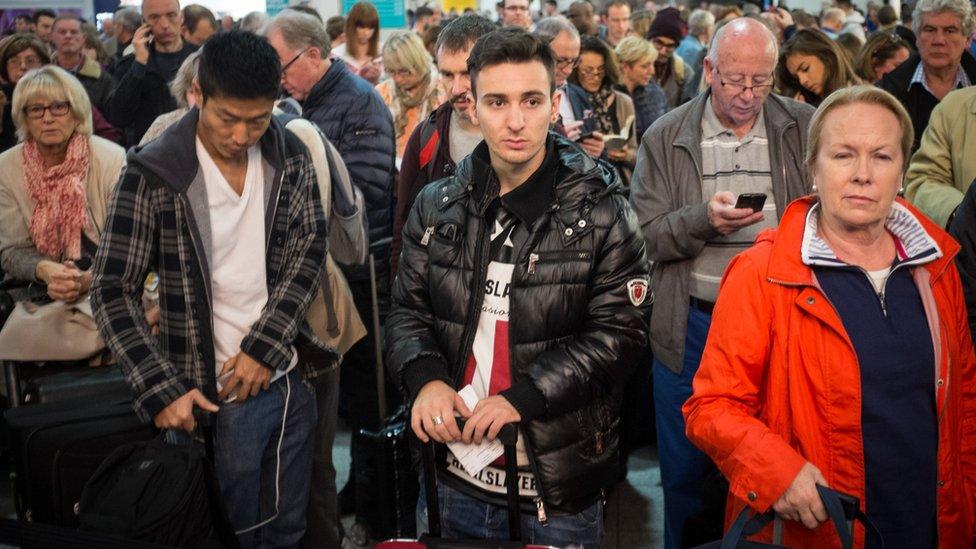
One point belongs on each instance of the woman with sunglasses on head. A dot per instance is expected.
(881, 54)
(54, 186)
(812, 66)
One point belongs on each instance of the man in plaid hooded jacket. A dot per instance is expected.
(225, 209)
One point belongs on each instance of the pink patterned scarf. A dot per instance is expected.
(59, 198)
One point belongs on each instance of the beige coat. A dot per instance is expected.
(944, 165)
(18, 256)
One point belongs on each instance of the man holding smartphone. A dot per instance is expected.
(693, 166)
(142, 78)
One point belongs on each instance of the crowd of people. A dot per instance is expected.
(771, 212)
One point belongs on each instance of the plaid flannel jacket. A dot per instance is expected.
(159, 222)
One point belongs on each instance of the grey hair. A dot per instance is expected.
(740, 25)
(184, 78)
(299, 31)
(550, 27)
(833, 14)
(700, 21)
(254, 21)
(128, 18)
(962, 8)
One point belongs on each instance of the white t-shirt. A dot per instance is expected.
(237, 261)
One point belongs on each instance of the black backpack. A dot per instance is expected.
(157, 492)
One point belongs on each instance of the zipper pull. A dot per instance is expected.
(426, 238)
(533, 259)
(884, 306)
(540, 509)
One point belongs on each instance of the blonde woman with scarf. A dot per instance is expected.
(54, 186)
(411, 91)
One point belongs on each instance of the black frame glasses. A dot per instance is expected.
(57, 108)
(738, 88)
(293, 59)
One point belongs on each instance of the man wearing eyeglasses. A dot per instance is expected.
(733, 138)
(575, 111)
(515, 13)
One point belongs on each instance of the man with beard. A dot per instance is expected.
(439, 143)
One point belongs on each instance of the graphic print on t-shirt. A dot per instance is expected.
(488, 368)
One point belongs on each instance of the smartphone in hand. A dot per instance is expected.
(753, 201)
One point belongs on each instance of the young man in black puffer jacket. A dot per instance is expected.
(523, 276)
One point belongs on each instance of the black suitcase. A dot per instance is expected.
(431, 539)
(104, 383)
(386, 482)
(56, 448)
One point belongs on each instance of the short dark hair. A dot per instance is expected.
(309, 10)
(510, 45)
(25, 17)
(44, 12)
(423, 11)
(463, 31)
(335, 26)
(239, 65)
(193, 14)
(613, 3)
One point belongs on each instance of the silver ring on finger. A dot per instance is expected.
(437, 420)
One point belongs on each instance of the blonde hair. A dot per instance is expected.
(56, 84)
(865, 94)
(633, 49)
(405, 50)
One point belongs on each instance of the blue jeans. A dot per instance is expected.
(463, 517)
(263, 460)
(682, 464)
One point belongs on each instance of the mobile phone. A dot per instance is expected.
(753, 201)
(585, 135)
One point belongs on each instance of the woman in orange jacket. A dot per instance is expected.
(839, 352)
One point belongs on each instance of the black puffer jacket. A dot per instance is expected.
(574, 332)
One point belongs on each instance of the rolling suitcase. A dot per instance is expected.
(432, 538)
(386, 482)
(57, 446)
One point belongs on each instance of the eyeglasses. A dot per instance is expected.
(57, 108)
(402, 73)
(592, 72)
(664, 45)
(516, 8)
(293, 59)
(759, 84)
(566, 62)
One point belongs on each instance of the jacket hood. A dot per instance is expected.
(786, 263)
(172, 157)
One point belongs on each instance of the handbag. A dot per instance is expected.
(332, 315)
(842, 510)
(51, 331)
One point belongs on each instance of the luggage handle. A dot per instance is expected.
(842, 510)
(508, 436)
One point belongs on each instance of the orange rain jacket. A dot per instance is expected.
(776, 386)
